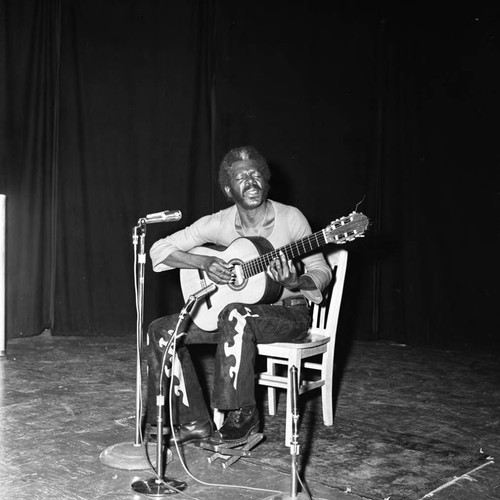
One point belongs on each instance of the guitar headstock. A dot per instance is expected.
(346, 228)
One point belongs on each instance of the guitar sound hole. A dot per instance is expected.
(240, 282)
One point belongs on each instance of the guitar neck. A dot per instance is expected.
(291, 251)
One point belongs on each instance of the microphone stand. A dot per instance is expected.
(294, 445)
(159, 486)
(141, 263)
(131, 456)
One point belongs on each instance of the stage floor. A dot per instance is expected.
(64, 400)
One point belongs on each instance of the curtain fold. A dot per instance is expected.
(439, 180)
(29, 58)
(135, 139)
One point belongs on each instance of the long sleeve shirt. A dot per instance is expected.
(220, 229)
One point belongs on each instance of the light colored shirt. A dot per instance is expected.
(220, 229)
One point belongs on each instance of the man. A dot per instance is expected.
(244, 178)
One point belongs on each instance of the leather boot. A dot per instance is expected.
(185, 433)
(239, 424)
(192, 431)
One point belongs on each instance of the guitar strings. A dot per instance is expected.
(259, 264)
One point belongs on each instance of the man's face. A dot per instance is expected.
(248, 188)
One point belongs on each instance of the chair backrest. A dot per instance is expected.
(326, 314)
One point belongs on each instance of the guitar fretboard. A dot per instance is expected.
(291, 251)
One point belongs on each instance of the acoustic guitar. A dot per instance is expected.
(250, 258)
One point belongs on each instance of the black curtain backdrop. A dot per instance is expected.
(114, 109)
(28, 159)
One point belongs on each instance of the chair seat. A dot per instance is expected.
(312, 340)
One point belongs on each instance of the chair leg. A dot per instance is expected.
(218, 418)
(288, 423)
(271, 391)
(327, 401)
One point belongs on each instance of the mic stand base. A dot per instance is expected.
(130, 456)
(124, 456)
(154, 487)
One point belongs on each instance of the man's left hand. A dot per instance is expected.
(284, 272)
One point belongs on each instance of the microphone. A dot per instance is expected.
(204, 291)
(166, 216)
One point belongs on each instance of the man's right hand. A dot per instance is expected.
(218, 270)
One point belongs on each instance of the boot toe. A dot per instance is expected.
(193, 431)
(237, 427)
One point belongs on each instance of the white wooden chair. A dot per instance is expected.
(320, 343)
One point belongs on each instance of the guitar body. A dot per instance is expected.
(255, 289)
(250, 258)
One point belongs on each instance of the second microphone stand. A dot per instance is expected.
(159, 486)
(294, 494)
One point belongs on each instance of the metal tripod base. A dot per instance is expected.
(155, 488)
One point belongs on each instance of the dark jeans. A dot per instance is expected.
(240, 327)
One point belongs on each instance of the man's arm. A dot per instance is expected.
(317, 273)
(286, 274)
(162, 252)
(218, 270)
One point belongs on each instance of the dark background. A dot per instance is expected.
(114, 109)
